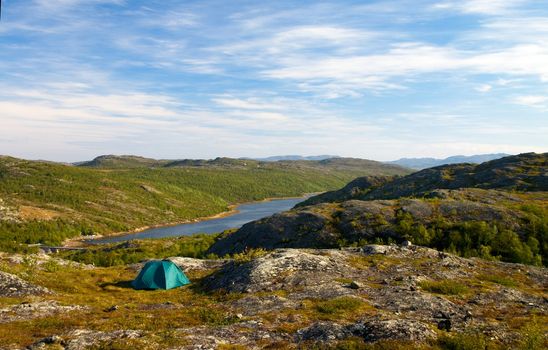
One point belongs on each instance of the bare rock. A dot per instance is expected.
(398, 329)
(82, 339)
(249, 335)
(281, 269)
(13, 286)
(323, 331)
(369, 330)
(253, 305)
(27, 311)
(188, 264)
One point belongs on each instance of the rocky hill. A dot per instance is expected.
(123, 161)
(356, 188)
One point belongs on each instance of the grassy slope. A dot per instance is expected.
(48, 202)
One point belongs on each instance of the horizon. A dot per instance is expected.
(379, 80)
(258, 158)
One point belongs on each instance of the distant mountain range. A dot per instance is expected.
(423, 163)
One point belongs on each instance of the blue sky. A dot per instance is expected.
(201, 79)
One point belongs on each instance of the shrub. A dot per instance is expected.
(248, 254)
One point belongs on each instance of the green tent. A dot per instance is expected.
(160, 274)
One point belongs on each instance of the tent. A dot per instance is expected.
(160, 274)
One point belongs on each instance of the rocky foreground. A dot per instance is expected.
(287, 298)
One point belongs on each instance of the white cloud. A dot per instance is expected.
(483, 88)
(537, 101)
(484, 7)
(245, 104)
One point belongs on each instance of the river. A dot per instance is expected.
(245, 213)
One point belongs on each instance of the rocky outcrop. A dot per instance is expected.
(42, 261)
(82, 339)
(356, 188)
(369, 330)
(292, 229)
(393, 282)
(30, 310)
(13, 286)
(284, 269)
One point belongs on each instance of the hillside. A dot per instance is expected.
(498, 209)
(524, 172)
(423, 163)
(124, 161)
(369, 167)
(294, 157)
(47, 202)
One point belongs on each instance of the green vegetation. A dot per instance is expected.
(498, 279)
(533, 336)
(339, 305)
(47, 203)
(482, 239)
(248, 255)
(447, 287)
(466, 341)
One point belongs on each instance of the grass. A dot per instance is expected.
(533, 335)
(341, 308)
(446, 287)
(498, 279)
(339, 305)
(466, 341)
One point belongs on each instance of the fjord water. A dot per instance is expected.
(246, 213)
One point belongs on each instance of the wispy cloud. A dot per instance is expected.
(537, 101)
(485, 7)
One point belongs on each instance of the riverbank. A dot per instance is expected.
(83, 241)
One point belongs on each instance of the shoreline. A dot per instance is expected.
(232, 210)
